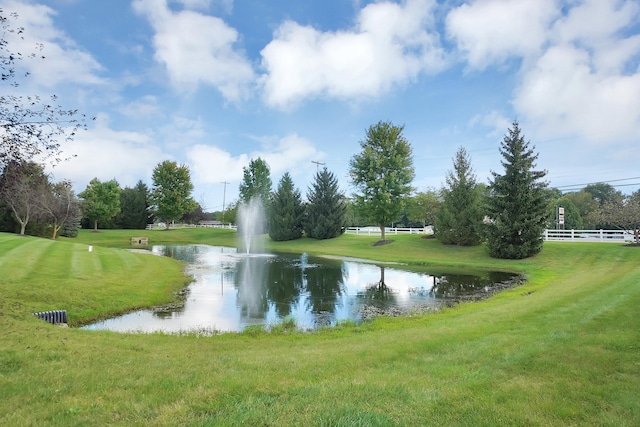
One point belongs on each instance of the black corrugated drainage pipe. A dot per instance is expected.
(53, 317)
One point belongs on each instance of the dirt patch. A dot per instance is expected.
(382, 242)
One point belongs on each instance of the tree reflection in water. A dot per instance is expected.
(324, 284)
(378, 294)
(232, 290)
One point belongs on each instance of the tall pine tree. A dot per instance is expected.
(286, 211)
(517, 206)
(460, 218)
(326, 207)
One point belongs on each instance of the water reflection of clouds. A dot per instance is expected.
(233, 290)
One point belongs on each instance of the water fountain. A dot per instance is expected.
(250, 224)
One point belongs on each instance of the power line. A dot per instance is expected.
(317, 165)
(600, 182)
(614, 186)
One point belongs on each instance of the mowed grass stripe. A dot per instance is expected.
(50, 275)
(23, 256)
(559, 350)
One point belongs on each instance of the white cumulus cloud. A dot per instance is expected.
(587, 82)
(390, 44)
(579, 73)
(488, 32)
(197, 49)
(64, 61)
(211, 165)
(105, 153)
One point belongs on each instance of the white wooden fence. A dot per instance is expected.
(549, 235)
(163, 226)
(616, 236)
(372, 231)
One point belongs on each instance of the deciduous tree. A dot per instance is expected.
(603, 193)
(100, 201)
(586, 206)
(22, 186)
(30, 126)
(623, 214)
(424, 207)
(517, 206)
(171, 192)
(256, 182)
(382, 173)
(59, 206)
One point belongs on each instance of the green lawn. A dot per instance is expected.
(563, 349)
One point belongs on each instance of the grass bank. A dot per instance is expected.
(561, 350)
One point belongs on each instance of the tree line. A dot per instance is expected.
(509, 213)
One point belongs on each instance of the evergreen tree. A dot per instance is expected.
(326, 207)
(459, 220)
(286, 211)
(517, 206)
(134, 207)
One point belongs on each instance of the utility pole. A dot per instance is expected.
(224, 195)
(317, 165)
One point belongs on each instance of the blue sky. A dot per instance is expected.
(215, 83)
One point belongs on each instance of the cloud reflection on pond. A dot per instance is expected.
(231, 291)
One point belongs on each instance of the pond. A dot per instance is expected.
(232, 290)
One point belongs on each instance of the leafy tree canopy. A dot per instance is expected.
(603, 193)
(171, 191)
(256, 181)
(424, 206)
(623, 214)
(100, 200)
(382, 173)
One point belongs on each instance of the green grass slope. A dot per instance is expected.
(563, 349)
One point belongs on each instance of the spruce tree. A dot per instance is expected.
(326, 208)
(286, 211)
(517, 206)
(459, 221)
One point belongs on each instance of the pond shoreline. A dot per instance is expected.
(369, 312)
